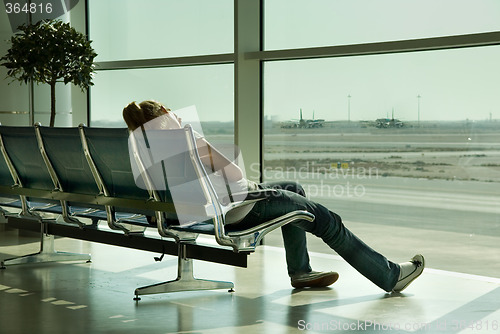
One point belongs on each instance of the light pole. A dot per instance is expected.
(418, 109)
(349, 108)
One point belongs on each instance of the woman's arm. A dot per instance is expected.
(216, 161)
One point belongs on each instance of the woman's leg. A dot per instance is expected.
(329, 227)
(294, 237)
(371, 264)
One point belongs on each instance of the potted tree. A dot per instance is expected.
(50, 51)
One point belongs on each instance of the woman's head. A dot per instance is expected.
(136, 115)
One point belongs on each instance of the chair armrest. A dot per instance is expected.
(272, 224)
(248, 239)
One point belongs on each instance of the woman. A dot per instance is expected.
(289, 197)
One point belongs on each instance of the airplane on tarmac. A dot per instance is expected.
(389, 122)
(303, 123)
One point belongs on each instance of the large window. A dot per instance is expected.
(307, 23)
(209, 88)
(399, 144)
(452, 85)
(131, 29)
(145, 31)
(404, 145)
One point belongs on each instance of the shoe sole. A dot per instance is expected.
(319, 282)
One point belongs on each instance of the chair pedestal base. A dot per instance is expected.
(47, 253)
(185, 280)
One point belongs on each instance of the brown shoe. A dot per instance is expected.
(314, 279)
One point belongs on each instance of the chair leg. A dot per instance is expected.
(185, 280)
(47, 253)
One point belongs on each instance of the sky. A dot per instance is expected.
(452, 85)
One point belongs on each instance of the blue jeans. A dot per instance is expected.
(290, 196)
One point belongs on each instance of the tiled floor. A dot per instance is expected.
(97, 297)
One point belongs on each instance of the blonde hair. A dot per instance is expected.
(135, 115)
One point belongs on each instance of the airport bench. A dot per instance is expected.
(52, 178)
